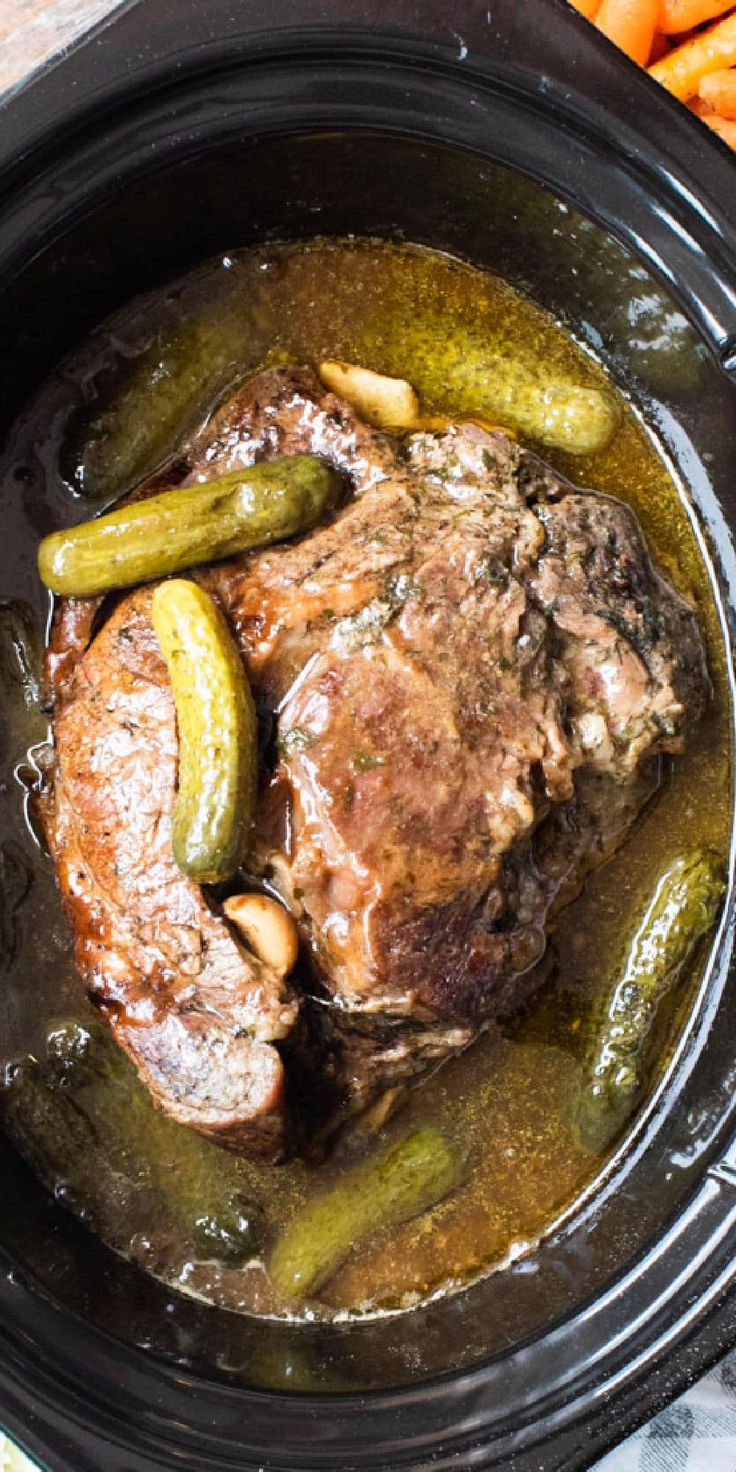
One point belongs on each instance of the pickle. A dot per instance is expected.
(16, 878)
(84, 1116)
(394, 1186)
(218, 742)
(550, 408)
(50, 1128)
(21, 655)
(153, 401)
(179, 528)
(466, 374)
(683, 909)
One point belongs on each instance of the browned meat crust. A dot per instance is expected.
(471, 670)
(195, 1010)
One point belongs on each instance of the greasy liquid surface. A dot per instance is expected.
(110, 415)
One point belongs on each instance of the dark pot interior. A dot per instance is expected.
(391, 139)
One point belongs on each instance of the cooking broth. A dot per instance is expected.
(113, 412)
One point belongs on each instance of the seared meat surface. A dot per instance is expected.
(468, 673)
(194, 1009)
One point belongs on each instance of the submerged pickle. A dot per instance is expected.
(21, 655)
(193, 524)
(394, 1186)
(154, 400)
(551, 408)
(83, 1115)
(683, 909)
(218, 743)
(484, 386)
(469, 373)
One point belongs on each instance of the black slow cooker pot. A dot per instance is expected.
(509, 133)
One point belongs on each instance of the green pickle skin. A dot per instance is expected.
(512, 389)
(158, 397)
(181, 528)
(218, 739)
(683, 909)
(83, 1114)
(388, 1189)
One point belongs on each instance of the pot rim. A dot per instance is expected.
(704, 237)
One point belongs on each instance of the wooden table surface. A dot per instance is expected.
(32, 30)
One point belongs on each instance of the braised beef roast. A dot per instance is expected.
(465, 680)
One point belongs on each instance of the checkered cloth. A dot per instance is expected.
(11, 1460)
(695, 1434)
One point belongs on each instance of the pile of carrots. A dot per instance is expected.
(687, 45)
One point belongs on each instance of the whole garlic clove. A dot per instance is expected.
(386, 403)
(267, 928)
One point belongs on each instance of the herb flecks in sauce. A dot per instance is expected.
(160, 366)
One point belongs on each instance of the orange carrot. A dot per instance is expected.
(588, 8)
(683, 70)
(660, 47)
(719, 90)
(724, 127)
(630, 24)
(681, 15)
(700, 108)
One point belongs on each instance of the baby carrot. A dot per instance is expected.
(683, 70)
(588, 8)
(719, 91)
(630, 24)
(681, 15)
(660, 47)
(724, 127)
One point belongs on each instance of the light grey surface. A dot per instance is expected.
(698, 1432)
(11, 1458)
